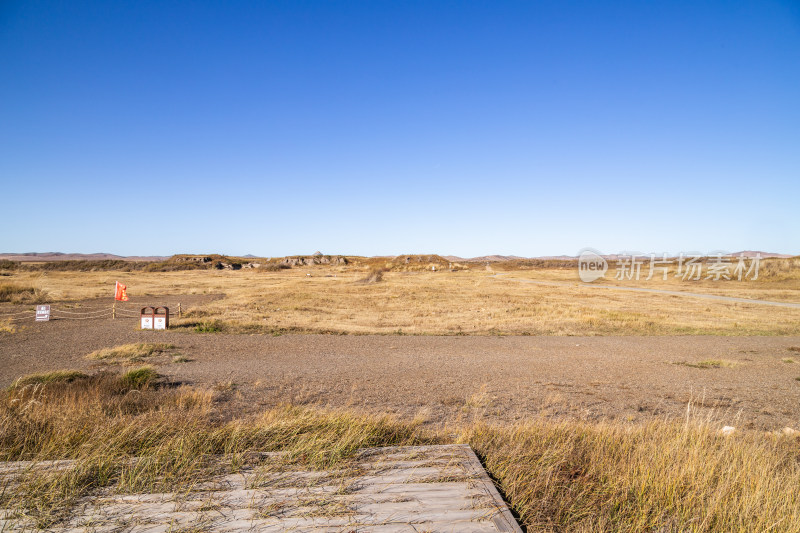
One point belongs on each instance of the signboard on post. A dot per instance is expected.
(42, 313)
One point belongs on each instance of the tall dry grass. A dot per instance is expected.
(125, 434)
(665, 476)
(19, 294)
(780, 270)
(558, 476)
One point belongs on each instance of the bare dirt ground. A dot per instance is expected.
(502, 378)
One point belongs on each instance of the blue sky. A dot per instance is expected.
(466, 128)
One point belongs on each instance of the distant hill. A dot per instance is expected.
(41, 257)
(751, 253)
(483, 258)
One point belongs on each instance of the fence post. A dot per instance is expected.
(114, 310)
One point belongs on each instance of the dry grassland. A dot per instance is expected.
(778, 280)
(557, 476)
(469, 302)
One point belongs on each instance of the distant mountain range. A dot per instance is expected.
(612, 257)
(494, 258)
(751, 253)
(59, 256)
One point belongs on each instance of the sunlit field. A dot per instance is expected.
(124, 427)
(480, 300)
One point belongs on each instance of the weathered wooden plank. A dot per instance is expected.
(397, 489)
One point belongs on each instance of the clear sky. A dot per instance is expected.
(377, 128)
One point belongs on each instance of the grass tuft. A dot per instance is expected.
(130, 352)
(58, 376)
(208, 327)
(139, 377)
(375, 276)
(6, 326)
(712, 363)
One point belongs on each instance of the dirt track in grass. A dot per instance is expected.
(502, 378)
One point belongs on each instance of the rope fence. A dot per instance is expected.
(81, 312)
(89, 313)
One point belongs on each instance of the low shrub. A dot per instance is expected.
(21, 294)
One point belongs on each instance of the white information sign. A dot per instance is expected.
(42, 313)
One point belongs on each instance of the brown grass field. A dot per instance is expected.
(335, 299)
(579, 433)
(557, 476)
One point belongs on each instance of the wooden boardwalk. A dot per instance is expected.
(394, 489)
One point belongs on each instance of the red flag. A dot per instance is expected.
(121, 292)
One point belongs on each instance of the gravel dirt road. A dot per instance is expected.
(500, 378)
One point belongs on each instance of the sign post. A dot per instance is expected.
(42, 313)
